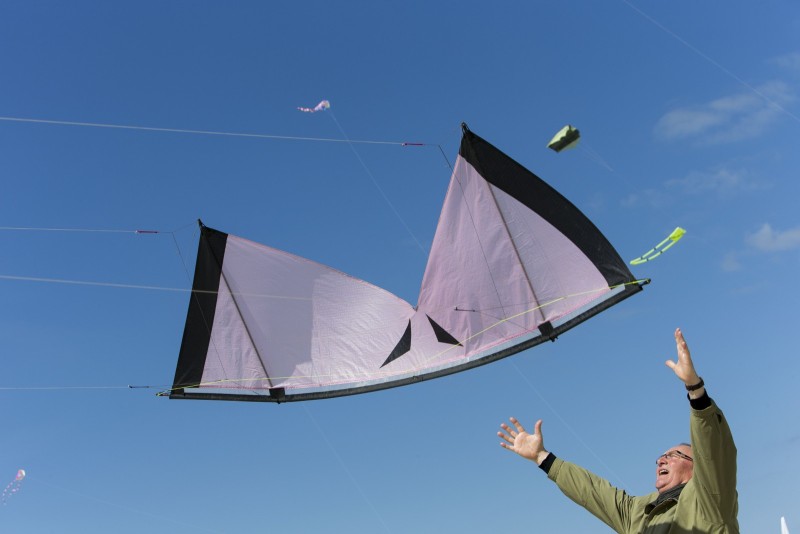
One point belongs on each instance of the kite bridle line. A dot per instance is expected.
(375, 375)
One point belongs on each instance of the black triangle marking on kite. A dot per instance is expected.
(442, 335)
(403, 346)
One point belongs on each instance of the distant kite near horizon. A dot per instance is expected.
(567, 137)
(13, 487)
(513, 264)
(319, 107)
(659, 249)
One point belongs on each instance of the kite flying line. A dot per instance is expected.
(564, 422)
(136, 286)
(712, 61)
(88, 230)
(204, 132)
(375, 182)
(96, 283)
(37, 480)
(346, 469)
(568, 137)
(322, 106)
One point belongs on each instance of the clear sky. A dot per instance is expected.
(689, 115)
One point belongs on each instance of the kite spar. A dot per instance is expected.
(513, 264)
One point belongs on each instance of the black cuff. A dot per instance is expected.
(700, 403)
(548, 462)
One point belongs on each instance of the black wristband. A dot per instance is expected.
(696, 386)
(547, 463)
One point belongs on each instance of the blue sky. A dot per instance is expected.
(689, 116)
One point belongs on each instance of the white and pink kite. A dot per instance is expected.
(319, 107)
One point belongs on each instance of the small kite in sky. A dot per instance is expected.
(659, 249)
(13, 486)
(319, 107)
(567, 137)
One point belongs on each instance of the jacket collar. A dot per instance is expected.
(671, 494)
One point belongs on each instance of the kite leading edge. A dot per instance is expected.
(513, 264)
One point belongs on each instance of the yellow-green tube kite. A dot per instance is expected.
(659, 249)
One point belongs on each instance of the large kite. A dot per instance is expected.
(513, 264)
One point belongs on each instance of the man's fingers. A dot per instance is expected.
(516, 424)
(505, 437)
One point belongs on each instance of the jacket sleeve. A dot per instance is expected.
(609, 504)
(714, 474)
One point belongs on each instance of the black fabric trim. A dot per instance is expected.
(506, 174)
(700, 403)
(547, 463)
(202, 306)
(442, 335)
(403, 346)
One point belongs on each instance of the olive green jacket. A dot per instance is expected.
(708, 503)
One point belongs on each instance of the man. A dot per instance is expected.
(695, 484)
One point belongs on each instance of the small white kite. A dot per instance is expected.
(319, 107)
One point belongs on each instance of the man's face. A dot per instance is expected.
(673, 468)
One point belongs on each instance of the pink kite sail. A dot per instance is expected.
(513, 264)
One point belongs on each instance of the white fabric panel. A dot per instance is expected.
(285, 321)
(310, 324)
(556, 267)
(486, 246)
